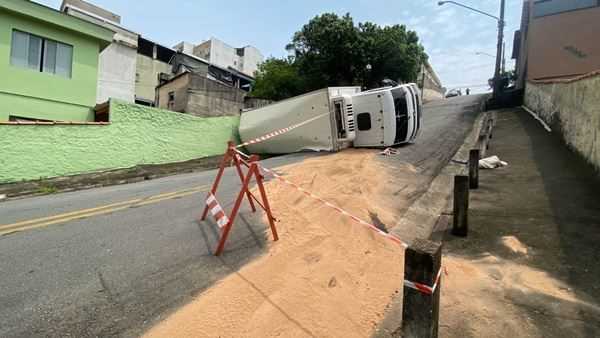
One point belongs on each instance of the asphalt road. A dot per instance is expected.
(113, 260)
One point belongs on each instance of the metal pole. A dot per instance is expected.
(503, 57)
(499, 51)
(423, 77)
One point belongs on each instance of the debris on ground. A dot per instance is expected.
(491, 162)
(389, 152)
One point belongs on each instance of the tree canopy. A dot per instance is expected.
(332, 51)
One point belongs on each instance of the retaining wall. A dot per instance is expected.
(571, 107)
(135, 135)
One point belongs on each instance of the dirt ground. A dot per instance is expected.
(327, 276)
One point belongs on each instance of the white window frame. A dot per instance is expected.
(60, 66)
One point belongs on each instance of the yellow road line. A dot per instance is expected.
(61, 218)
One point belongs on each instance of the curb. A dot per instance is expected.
(426, 210)
(98, 179)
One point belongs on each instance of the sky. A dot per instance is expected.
(452, 36)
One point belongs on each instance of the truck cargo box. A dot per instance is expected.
(318, 135)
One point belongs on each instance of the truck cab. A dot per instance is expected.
(387, 116)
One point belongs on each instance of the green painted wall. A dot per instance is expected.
(34, 94)
(136, 135)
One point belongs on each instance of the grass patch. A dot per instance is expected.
(48, 189)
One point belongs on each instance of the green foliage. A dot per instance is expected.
(47, 189)
(332, 51)
(277, 79)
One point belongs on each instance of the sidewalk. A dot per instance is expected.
(531, 263)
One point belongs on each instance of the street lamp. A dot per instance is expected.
(500, 20)
(368, 68)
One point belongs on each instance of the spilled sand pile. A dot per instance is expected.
(327, 276)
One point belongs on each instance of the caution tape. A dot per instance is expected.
(426, 289)
(332, 206)
(216, 210)
(280, 131)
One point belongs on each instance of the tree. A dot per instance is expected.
(277, 79)
(332, 51)
(392, 51)
(326, 50)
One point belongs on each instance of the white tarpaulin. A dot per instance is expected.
(491, 162)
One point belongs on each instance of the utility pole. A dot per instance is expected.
(497, 82)
(503, 57)
(423, 77)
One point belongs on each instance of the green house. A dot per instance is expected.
(48, 63)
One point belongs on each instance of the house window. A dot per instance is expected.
(40, 54)
(171, 101)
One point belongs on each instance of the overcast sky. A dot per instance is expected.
(451, 35)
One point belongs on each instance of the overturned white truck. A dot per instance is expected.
(340, 117)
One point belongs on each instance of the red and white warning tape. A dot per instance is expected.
(216, 210)
(426, 289)
(332, 206)
(280, 131)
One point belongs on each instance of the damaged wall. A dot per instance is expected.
(136, 135)
(573, 108)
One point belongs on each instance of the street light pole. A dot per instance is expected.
(497, 75)
(497, 82)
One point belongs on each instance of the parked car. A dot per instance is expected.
(453, 93)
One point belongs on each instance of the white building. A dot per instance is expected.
(117, 63)
(185, 47)
(244, 59)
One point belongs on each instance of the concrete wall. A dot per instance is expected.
(203, 50)
(223, 55)
(431, 84)
(116, 73)
(136, 135)
(91, 8)
(431, 95)
(179, 87)
(573, 109)
(564, 44)
(184, 47)
(203, 97)
(211, 98)
(147, 76)
(252, 58)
